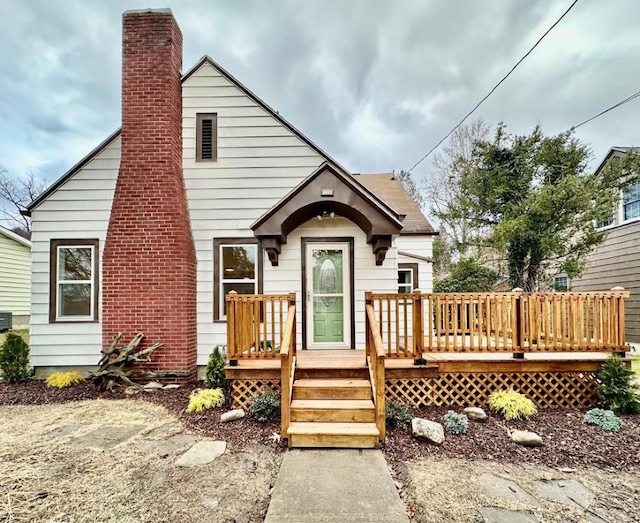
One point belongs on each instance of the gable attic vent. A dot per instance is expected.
(207, 137)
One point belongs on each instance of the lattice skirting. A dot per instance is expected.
(545, 389)
(243, 391)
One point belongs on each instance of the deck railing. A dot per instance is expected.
(375, 361)
(414, 323)
(256, 324)
(287, 369)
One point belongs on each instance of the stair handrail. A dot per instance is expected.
(375, 361)
(287, 368)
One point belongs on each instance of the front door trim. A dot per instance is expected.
(341, 239)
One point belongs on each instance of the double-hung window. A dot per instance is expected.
(74, 280)
(237, 265)
(631, 202)
(407, 277)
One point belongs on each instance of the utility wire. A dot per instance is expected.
(494, 88)
(622, 102)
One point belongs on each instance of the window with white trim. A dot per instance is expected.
(407, 277)
(561, 283)
(631, 202)
(237, 269)
(74, 280)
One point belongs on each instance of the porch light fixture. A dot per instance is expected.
(325, 214)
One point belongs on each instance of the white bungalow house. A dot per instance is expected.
(204, 190)
(15, 279)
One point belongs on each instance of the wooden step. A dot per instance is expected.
(320, 372)
(333, 410)
(340, 435)
(343, 388)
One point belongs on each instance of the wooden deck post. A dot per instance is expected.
(368, 300)
(516, 315)
(621, 320)
(292, 301)
(418, 329)
(232, 343)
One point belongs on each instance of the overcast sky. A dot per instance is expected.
(375, 83)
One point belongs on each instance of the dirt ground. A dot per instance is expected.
(49, 473)
(438, 490)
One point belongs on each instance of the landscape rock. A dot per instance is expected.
(526, 438)
(171, 386)
(427, 430)
(500, 515)
(202, 453)
(152, 385)
(131, 391)
(232, 415)
(475, 413)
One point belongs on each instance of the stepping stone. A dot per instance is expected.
(567, 491)
(497, 487)
(167, 446)
(63, 431)
(202, 453)
(106, 437)
(163, 431)
(500, 515)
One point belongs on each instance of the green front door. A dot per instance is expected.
(328, 295)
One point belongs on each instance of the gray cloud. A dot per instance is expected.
(375, 83)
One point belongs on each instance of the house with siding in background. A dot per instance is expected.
(205, 190)
(617, 261)
(15, 276)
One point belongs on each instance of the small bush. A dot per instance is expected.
(604, 419)
(60, 380)
(214, 374)
(398, 414)
(265, 406)
(617, 390)
(14, 359)
(456, 423)
(205, 399)
(512, 404)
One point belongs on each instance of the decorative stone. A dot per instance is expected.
(427, 430)
(152, 385)
(131, 391)
(202, 453)
(232, 415)
(475, 413)
(526, 438)
(171, 386)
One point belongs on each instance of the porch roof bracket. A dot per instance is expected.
(324, 192)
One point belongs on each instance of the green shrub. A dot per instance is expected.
(617, 390)
(468, 275)
(14, 359)
(512, 404)
(60, 380)
(214, 373)
(604, 419)
(456, 423)
(398, 414)
(265, 406)
(202, 400)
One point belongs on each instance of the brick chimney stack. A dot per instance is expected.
(149, 261)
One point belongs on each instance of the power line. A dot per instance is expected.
(622, 102)
(494, 88)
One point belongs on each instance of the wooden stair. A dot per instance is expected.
(332, 409)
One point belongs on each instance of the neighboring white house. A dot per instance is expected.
(265, 204)
(15, 276)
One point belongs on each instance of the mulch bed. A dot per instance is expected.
(568, 441)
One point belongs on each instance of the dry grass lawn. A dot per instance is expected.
(56, 479)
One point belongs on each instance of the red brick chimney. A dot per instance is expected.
(149, 261)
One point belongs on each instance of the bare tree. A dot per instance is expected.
(440, 194)
(411, 187)
(16, 193)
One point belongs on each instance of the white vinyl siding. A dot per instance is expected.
(78, 209)
(419, 246)
(15, 276)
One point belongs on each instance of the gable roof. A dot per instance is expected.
(391, 190)
(204, 60)
(16, 237)
(616, 150)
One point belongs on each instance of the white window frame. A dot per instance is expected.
(564, 276)
(410, 284)
(60, 282)
(223, 280)
(623, 219)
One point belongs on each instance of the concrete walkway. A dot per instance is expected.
(341, 486)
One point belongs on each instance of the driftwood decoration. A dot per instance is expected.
(116, 367)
